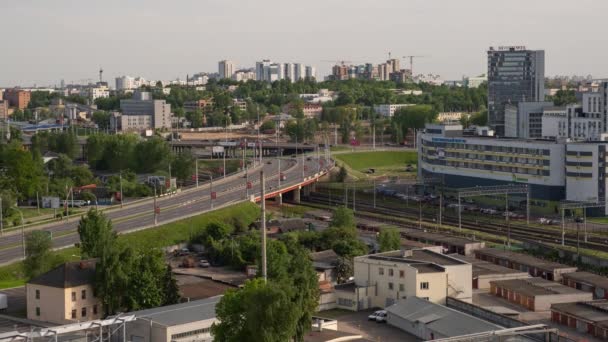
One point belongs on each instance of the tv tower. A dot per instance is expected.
(100, 75)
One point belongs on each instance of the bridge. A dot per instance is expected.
(298, 174)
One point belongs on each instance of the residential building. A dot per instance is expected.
(451, 116)
(589, 317)
(189, 321)
(325, 263)
(537, 294)
(588, 282)
(524, 119)
(240, 104)
(382, 279)
(388, 110)
(128, 83)
(3, 110)
(299, 71)
(475, 82)
(204, 105)
(429, 321)
(17, 98)
(226, 69)
(311, 72)
(94, 92)
(515, 74)
(268, 71)
(142, 110)
(244, 75)
(64, 294)
(536, 267)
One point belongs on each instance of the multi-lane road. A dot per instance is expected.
(186, 203)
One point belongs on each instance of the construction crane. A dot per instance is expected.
(411, 57)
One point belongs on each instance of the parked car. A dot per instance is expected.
(381, 317)
(375, 314)
(204, 263)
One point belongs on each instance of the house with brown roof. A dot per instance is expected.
(64, 294)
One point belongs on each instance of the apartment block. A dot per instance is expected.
(17, 98)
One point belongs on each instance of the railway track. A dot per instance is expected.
(515, 230)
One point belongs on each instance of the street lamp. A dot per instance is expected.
(210, 187)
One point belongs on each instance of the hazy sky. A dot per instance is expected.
(44, 41)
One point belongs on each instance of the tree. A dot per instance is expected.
(343, 218)
(389, 239)
(37, 253)
(102, 119)
(23, 172)
(268, 125)
(344, 269)
(183, 165)
(564, 97)
(170, 288)
(96, 233)
(196, 118)
(258, 312)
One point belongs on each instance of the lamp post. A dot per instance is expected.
(22, 231)
(210, 187)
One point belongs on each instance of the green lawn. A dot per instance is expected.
(362, 161)
(166, 235)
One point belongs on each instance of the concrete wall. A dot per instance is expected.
(483, 281)
(460, 284)
(543, 303)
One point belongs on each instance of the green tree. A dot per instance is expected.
(102, 119)
(183, 166)
(268, 125)
(37, 253)
(196, 118)
(344, 269)
(258, 312)
(170, 288)
(95, 232)
(389, 239)
(343, 218)
(564, 97)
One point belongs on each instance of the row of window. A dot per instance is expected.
(83, 295)
(508, 168)
(74, 314)
(390, 272)
(492, 148)
(190, 333)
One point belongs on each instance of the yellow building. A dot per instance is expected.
(64, 294)
(384, 278)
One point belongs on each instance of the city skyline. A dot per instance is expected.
(155, 39)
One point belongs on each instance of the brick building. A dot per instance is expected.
(17, 98)
(537, 294)
(588, 282)
(586, 317)
(534, 266)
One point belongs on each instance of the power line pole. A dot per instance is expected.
(263, 229)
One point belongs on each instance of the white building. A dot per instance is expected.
(95, 92)
(125, 83)
(268, 71)
(388, 110)
(244, 75)
(571, 122)
(475, 82)
(226, 69)
(311, 72)
(142, 112)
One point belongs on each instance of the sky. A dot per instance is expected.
(44, 41)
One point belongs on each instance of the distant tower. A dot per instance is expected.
(100, 75)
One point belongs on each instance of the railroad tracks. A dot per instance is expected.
(516, 231)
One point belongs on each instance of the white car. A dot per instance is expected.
(374, 315)
(381, 317)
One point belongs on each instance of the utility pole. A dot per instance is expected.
(263, 229)
(155, 207)
(354, 197)
(122, 198)
(1, 218)
(507, 218)
(196, 167)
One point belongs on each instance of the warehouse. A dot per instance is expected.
(534, 266)
(484, 272)
(587, 282)
(586, 317)
(429, 321)
(450, 244)
(537, 294)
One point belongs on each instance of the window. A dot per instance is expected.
(84, 294)
(390, 272)
(74, 314)
(401, 274)
(390, 286)
(37, 294)
(37, 311)
(73, 296)
(381, 271)
(424, 285)
(83, 312)
(190, 333)
(401, 287)
(94, 309)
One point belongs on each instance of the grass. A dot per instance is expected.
(13, 275)
(361, 161)
(598, 219)
(293, 210)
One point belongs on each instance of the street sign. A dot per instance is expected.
(157, 210)
(213, 195)
(249, 185)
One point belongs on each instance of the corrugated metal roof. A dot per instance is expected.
(178, 314)
(441, 319)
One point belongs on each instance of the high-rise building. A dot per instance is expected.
(289, 71)
(311, 72)
(515, 74)
(143, 112)
(226, 69)
(260, 69)
(299, 71)
(17, 98)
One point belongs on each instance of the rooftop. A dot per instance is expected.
(589, 278)
(416, 256)
(178, 314)
(481, 268)
(70, 274)
(535, 287)
(523, 259)
(438, 318)
(595, 311)
(324, 259)
(451, 240)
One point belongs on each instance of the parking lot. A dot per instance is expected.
(358, 323)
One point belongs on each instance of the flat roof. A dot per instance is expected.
(589, 278)
(178, 314)
(451, 240)
(535, 287)
(595, 311)
(481, 267)
(428, 268)
(417, 256)
(524, 259)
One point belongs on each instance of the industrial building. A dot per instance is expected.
(382, 279)
(536, 294)
(587, 282)
(536, 267)
(430, 321)
(449, 244)
(142, 112)
(485, 272)
(555, 170)
(587, 317)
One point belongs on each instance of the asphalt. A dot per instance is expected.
(181, 205)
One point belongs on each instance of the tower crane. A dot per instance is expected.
(411, 57)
